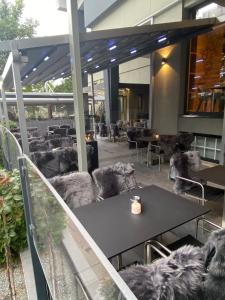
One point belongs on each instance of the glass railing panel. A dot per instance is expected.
(10, 148)
(74, 266)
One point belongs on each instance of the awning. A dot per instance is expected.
(49, 57)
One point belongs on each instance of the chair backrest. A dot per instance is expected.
(61, 131)
(52, 127)
(76, 188)
(65, 126)
(113, 180)
(183, 163)
(71, 131)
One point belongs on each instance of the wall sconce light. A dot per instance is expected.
(164, 61)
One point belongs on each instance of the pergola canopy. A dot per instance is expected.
(49, 57)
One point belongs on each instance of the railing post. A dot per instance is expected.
(40, 280)
(9, 158)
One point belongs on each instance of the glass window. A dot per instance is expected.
(206, 80)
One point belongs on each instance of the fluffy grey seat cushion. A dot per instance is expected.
(75, 188)
(115, 179)
(178, 276)
(214, 250)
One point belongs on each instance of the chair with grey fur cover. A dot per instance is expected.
(178, 276)
(190, 272)
(114, 179)
(76, 188)
(185, 180)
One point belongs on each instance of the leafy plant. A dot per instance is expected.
(12, 221)
(12, 25)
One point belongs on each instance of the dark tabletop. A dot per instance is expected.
(215, 175)
(115, 229)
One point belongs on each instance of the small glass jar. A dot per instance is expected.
(136, 205)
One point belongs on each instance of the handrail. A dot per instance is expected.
(195, 182)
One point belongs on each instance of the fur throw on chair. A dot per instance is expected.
(115, 179)
(183, 164)
(76, 188)
(214, 250)
(177, 277)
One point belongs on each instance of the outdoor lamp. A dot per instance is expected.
(164, 61)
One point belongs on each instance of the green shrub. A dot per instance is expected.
(12, 220)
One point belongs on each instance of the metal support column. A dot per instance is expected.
(40, 281)
(151, 96)
(5, 108)
(20, 104)
(107, 97)
(75, 59)
(93, 102)
(223, 141)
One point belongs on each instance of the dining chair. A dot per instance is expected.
(115, 179)
(185, 181)
(154, 152)
(153, 249)
(76, 188)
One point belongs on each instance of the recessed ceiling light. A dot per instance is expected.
(46, 58)
(162, 39)
(112, 60)
(85, 71)
(133, 51)
(62, 73)
(90, 59)
(112, 47)
(34, 69)
(96, 67)
(26, 76)
(199, 60)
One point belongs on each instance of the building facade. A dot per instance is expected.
(185, 94)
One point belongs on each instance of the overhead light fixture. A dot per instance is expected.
(194, 88)
(199, 60)
(85, 71)
(112, 60)
(34, 69)
(133, 51)
(62, 73)
(216, 85)
(26, 76)
(164, 61)
(162, 39)
(53, 78)
(90, 59)
(112, 47)
(96, 67)
(197, 76)
(46, 58)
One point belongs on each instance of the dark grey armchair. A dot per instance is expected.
(113, 180)
(76, 188)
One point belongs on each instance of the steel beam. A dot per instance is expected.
(75, 59)
(20, 103)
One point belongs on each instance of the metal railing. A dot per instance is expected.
(67, 263)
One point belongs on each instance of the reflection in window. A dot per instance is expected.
(206, 84)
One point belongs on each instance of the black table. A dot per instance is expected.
(214, 176)
(116, 230)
